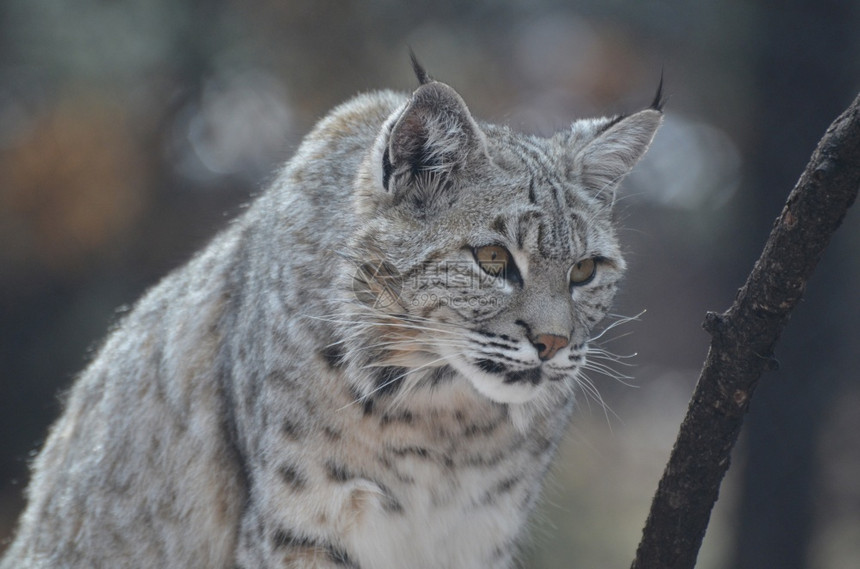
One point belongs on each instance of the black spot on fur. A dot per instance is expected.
(340, 557)
(389, 502)
(532, 376)
(291, 475)
(389, 379)
(523, 223)
(338, 472)
(502, 487)
(532, 197)
(392, 505)
(332, 434)
(485, 460)
(475, 429)
(499, 225)
(333, 356)
(540, 240)
(420, 452)
(441, 375)
(283, 538)
(292, 430)
(506, 485)
(490, 366)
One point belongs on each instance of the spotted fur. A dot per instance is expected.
(335, 382)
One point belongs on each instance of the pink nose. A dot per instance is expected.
(548, 344)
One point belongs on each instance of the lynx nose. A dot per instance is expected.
(548, 344)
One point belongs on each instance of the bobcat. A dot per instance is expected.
(371, 368)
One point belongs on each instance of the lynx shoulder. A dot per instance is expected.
(370, 368)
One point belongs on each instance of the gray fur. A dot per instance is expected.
(334, 381)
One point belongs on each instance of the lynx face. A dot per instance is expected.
(489, 252)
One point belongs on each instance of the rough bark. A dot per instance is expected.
(742, 346)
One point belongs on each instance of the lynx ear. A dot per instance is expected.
(429, 145)
(607, 159)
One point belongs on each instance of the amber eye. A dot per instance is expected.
(494, 260)
(582, 272)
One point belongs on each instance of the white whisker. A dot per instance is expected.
(621, 320)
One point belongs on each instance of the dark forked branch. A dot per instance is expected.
(742, 347)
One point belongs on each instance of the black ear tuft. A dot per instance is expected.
(659, 97)
(420, 72)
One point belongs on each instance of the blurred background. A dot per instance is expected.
(130, 132)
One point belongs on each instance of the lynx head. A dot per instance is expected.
(486, 251)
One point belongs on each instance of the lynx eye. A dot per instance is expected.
(494, 260)
(582, 272)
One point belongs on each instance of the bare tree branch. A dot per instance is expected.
(742, 344)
